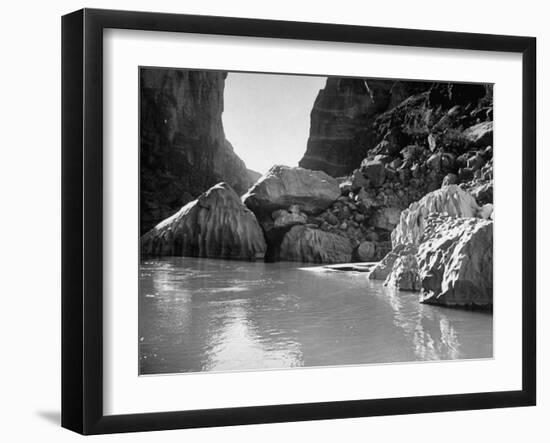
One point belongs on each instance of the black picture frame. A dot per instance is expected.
(82, 218)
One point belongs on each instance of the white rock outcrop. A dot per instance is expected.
(443, 247)
(450, 200)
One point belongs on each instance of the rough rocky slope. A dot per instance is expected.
(216, 225)
(183, 149)
(389, 143)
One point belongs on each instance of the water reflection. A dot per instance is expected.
(215, 315)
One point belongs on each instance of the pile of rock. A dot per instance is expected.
(337, 223)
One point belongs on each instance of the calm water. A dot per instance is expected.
(217, 315)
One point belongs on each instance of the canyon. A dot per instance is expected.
(394, 172)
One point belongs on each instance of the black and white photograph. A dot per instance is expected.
(291, 221)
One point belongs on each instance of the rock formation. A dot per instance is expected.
(443, 247)
(216, 225)
(382, 158)
(455, 262)
(183, 149)
(286, 197)
(390, 143)
(449, 200)
(343, 120)
(307, 244)
(284, 186)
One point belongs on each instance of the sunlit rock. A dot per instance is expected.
(455, 263)
(449, 200)
(384, 267)
(216, 225)
(404, 274)
(283, 186)
(480, 135)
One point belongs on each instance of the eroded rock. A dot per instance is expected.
(449, 200)
(284, 186)
(305, 244)
(216, 225)
(456, 263)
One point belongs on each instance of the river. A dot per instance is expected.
(219, 315)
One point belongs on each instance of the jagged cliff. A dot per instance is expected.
(183, 149)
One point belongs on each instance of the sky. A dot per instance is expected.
(267, 116)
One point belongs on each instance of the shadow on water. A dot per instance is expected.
(215, 315)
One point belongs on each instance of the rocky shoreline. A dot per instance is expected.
(399, 173)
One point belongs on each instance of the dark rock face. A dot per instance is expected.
(342, 119)
(183, 150)
(340, 130)
(216, 225)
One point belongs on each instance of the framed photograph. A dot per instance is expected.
(269, 221)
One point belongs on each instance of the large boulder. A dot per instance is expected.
(375, 171)
(311, 245)
(366, 251)
(283, 186)
(404, 275)
(450, 200)
(216, 225)
(480, 135)
(455, 263)
(384, 267)
(483, 192)
(452, 265)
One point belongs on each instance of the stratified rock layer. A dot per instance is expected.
(311, 245)
(216, 225)
(183, 149)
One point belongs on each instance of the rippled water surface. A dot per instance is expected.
(217, 315)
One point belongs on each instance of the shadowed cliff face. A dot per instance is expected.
(339, 126)
(183, 150)
(342, 121)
